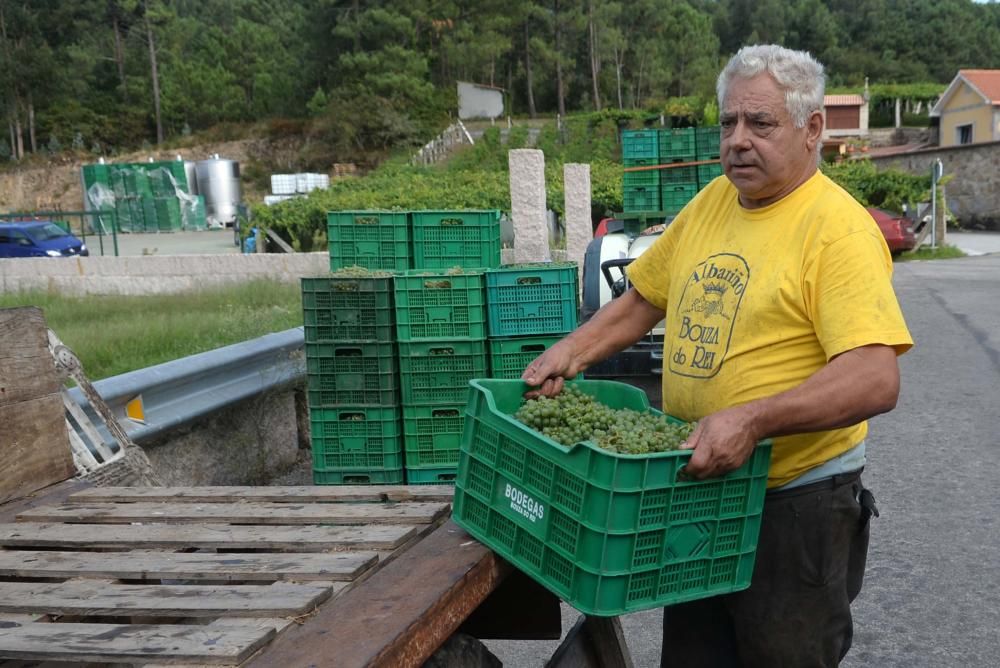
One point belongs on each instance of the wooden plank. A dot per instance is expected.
(27, 370)
(214, 536)
(273, 236)
(35, 446)
(54, 494)
(402, 613)
(332, 566)
(278, 624)
(94, 598)
(279, 494)
(244, 512)
(168, 643)
(87, 427)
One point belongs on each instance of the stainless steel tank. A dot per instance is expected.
(192, 177)
(219, 183)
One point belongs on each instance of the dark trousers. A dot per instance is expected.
(797, 612)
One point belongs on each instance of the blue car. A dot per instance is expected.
(38, 239)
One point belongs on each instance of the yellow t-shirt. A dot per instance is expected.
(758, 300)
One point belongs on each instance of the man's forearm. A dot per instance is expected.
(852, 387)
(616, 326)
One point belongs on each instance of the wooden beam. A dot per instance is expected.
(27, 370)
(403, 612)
(143, 565)
(115, 642)
(245, 512)
(92, 598)
(35, 446)
(277, 494)
(273, 236)
(214, 536)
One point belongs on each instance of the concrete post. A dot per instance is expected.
(527, 204)
(579, 229)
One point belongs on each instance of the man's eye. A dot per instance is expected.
(727, 124)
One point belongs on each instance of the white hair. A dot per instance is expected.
(797, 73)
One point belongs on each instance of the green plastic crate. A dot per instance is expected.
(707, 142)
(677, 145)
(641, 198)
(708, 172)
(435, 306)
(432, 435)
(436, 373)
(679, 176)
(510, 357)
(351, 374)
(608, 533)
(356, 438)
(640, 144)
(167, 212)
(648, 177)
(371, 239)
(674, 198)
(445, 239)
(538, 298)
(432, 476)
(348, 309)
(341, 477)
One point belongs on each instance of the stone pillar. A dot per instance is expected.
(527, 205)
(579, 229)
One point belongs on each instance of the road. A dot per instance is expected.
(932, 591)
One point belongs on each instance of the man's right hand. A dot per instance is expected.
(548, 372)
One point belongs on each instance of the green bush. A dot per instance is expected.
(888, 189)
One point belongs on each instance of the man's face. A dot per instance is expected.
(764, 155)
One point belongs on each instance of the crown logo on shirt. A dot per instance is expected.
(715, 289)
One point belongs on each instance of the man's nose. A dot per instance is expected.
(740, 136)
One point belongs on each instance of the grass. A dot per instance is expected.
(114, 334)
(928, 253)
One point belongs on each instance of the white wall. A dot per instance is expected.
(479, 101)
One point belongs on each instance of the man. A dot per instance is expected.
(781, 323)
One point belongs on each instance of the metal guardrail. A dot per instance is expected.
(178, 392)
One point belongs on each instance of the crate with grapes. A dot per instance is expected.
(583, 492)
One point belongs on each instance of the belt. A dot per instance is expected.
(821, 485)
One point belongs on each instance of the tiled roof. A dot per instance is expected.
(986, 82)
(842, 100)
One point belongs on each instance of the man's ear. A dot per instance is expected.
(814, 130)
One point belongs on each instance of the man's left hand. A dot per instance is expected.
(721, 442)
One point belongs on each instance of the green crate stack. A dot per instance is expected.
(441, 328)
(446, 239)
(677, 145)
(608, 533)
(139, 223)
(707, 142)
(150, 214)
(641, 148)
(352, 380)
(193, 212)
(123, 214)
(370, 239)
(674, 197)
(706, 173)
(168, 213)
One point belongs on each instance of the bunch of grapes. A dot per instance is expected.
(360, 272)
(573, 416)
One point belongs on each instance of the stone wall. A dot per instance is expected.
(973, 193)
(152, 274)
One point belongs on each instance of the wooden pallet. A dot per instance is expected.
(192, 575)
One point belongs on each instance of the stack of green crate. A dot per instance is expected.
(352, 380)
(641, 189)
(149, 196)
(378, 240)
(441, 329)
(707, 148)
(467, 238)
(529, 308)
(678, 185)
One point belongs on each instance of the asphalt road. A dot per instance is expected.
(932, 591)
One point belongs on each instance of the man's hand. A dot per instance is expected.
(549, 371)
(721, 442)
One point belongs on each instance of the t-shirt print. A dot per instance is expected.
(705, 316)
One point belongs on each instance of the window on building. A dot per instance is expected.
(963, 134)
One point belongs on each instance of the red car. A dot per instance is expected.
(897, 230)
